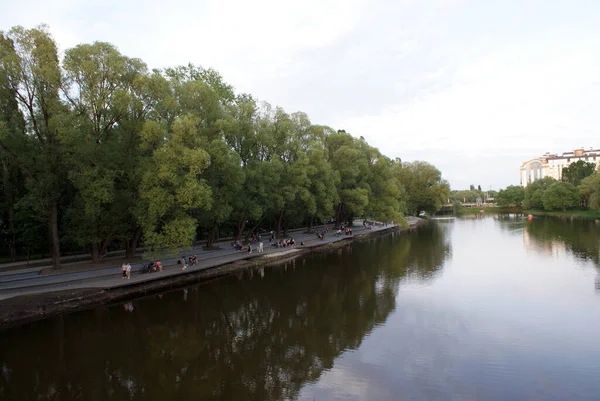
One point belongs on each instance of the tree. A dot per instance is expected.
(589, 190)
(560, 195)
(575, 172)
(535, 191)
(388, 197)
(467, 196)
(351, 163)
(172, 187)
(425, 188)
(30, 69)
(479, 188)
(99, 85)
(12, 128)
(100, 153)
(512, 195)
(324, 180)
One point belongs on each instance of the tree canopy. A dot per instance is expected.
(103, 154)
(576, 172)
(512, 195)
(425, 188)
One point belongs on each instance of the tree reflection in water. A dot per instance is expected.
(258, 338)
(579, 237)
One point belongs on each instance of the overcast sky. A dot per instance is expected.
(474, 87)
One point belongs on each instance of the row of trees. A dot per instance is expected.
(471, 195)
(579, 188)
(97, 152)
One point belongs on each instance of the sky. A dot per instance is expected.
(473, 87)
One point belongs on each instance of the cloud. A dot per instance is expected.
(473, 87)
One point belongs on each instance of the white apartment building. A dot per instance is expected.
(551, 164)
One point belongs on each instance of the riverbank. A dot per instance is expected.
(488, 209)
(26, 308)
(580, 214)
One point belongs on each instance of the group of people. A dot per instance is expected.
(237, 245)
(155, 266)
(284, 243)
(185, 261)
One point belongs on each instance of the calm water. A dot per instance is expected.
(491, 308)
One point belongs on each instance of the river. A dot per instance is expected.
(486, 308)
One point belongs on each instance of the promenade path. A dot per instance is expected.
(30, 282)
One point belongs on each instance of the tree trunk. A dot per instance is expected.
(55, 242)
(95, 252)
(211, 237)
(104, 248)
(9, 195)
(338, 216)
(258, 223)
(239, 227)
(132, 246)
(278, 223)
(13, 238)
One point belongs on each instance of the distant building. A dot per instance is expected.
(551, 164)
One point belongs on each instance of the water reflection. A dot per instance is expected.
(259, 335)
(553, 236)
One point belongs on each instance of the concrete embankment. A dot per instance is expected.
(42, 300)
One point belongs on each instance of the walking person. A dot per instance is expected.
(260, 247)
(128, 270)
(124, 269)
(159, 265)
(249, 248)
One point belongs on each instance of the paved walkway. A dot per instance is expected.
(29, 281)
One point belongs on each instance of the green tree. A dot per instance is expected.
(560, 195)
(466, 196)
(351, 162)
(99, 85)
(535, 191)
(30, 68)
(589, 190)
(324, 180)
(425, 188)
(387, 201)
(513, 195)
(172, 187)
(575, 172)
(12, 128)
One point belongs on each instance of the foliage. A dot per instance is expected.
(576, 172)
(512, 195)
(425, 188)
(535, 191)
(98, 153)
(590, 191)
(560, 195)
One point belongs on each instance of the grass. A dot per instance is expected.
(581, 214)
(577, 213)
